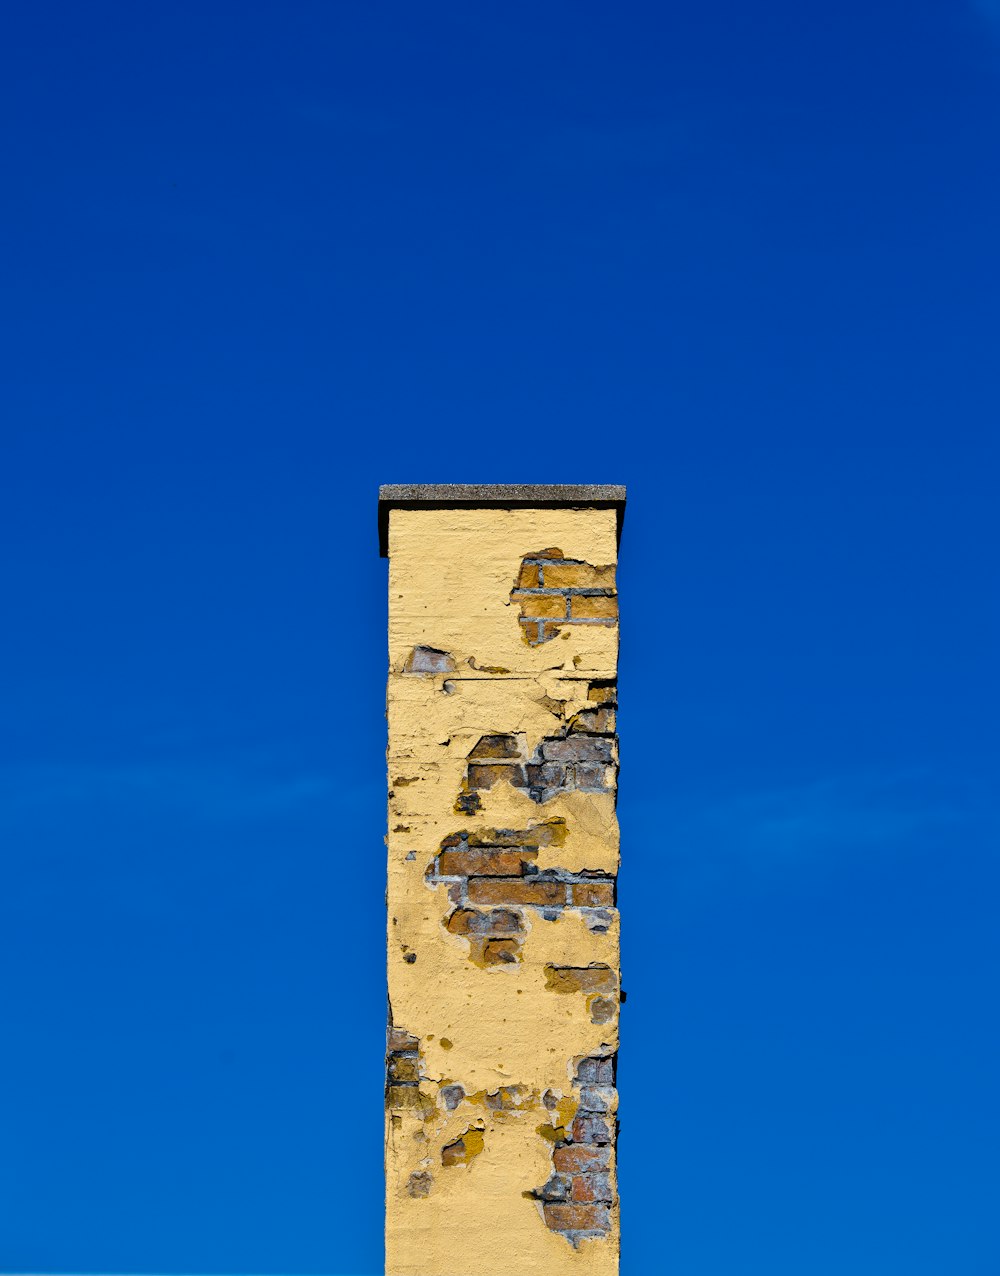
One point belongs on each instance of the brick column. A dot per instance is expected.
(503, 958)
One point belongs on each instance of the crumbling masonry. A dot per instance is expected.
(503, 956)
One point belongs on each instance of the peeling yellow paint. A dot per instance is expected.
(495, 1052)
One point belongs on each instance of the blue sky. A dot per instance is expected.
(258, 259)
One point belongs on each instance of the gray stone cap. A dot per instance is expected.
(494, 495)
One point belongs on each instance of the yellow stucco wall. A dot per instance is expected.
(518, 1023)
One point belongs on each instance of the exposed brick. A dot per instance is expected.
(484, 863)
(468, 803)
(464, 1149)
(578, 576)
(509, 1098)
(483, 775)
(603, 1010)
(601, 721)
(496, 746)
(556, 1189)
(404, 1068)
(587, 1188)
(499, 921)
(500, 952)
(419, 1184)
(593, 607)
(603, 693)
(429, 660)
(464, 921)
(534, 591)
(507, 890)
(403, 1096)
(593, 1129)
(565, 575)
(550, 833)
(596, 978)
(598, 1098)
(593, 777)
(577, 748)
(542, 606)
(577, 1218)
(577, 1158)
(595, 1071)
(400, 1039)
(604, 577)
(598, 920)
(547, 775)
(582, 1165)
(592, 894)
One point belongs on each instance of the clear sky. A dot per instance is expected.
(260, 258)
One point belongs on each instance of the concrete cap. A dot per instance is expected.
(495, 496)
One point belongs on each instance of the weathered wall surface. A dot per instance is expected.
(503, 958)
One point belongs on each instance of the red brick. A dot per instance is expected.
(577, 1158)
(483, 775)
(577, 1218)
(588, 1188)
(463, 921)
(590, 894)
(500, 952)
(597, 1070)
(593, 1129)
(484, 863)
(518, 890)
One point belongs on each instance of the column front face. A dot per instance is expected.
(503, 936)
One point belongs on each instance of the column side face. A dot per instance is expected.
(503, 935)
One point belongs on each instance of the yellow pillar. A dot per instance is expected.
(503, 952)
